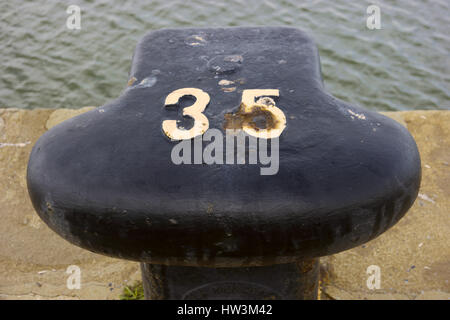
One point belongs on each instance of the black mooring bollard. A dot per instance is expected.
(293, 281)
(224, 168)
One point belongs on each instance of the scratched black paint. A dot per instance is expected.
(105, 180)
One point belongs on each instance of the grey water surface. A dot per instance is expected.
(404, 65)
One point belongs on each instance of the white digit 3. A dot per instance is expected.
(201, 123)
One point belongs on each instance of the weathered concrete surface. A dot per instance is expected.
(414, 256)
(33, 259)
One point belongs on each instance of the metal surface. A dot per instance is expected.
(292, 281)
(105, 180)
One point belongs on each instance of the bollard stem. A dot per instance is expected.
(291, 281)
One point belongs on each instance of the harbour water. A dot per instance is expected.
(404, 65)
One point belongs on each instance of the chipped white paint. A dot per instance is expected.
(147, 82)
(20, 144)
(196, 37)
(229, 89)
(234, 58)
(360, 116)
(195, 40)
(225, 82)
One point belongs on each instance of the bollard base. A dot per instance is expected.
(291, 281)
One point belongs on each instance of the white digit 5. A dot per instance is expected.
(201, 123)
(248, 100)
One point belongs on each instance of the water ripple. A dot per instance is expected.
(405, 65)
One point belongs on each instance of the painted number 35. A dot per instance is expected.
(201, 122)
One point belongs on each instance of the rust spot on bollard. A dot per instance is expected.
(258, 118)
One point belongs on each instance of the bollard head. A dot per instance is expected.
(112, 180)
